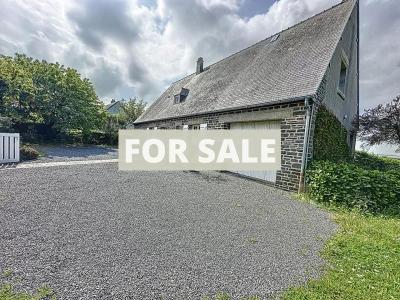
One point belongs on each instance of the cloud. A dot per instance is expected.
(106, 77)
(380, 60)
(97, 22)
(138, 47)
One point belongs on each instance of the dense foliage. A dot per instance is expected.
(373, 162)
(28, 153)
(381, 124)
(45, 100)
(131, 110)
(330, 137)
(355, 186)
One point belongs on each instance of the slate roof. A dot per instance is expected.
(268, 72)
(112, 104)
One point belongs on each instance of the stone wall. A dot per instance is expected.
(292, 117)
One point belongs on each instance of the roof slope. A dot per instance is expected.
(290, 67)
(109, 105)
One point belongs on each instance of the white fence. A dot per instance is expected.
(9, 147)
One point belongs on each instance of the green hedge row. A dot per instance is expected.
(374, 162)
(352, 186)
(94, 137)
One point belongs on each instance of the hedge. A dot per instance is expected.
(354, 187)
(99, 137)
(374, 162)
(330, 138)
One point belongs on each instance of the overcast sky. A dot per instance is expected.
(138, 47)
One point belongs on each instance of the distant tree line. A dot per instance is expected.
(49, 102)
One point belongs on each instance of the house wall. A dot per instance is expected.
(346, 110)
(292, 117)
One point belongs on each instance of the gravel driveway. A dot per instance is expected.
(90, 231)
(54, 153)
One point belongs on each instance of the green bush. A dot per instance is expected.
(28, 153)
(72, 137)
(98, 137)
(354, 187)
(374, 162)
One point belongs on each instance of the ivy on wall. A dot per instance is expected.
(330, 138)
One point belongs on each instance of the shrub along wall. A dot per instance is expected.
(353, 186)
(330, 138)
(364, 181)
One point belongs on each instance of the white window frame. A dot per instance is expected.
(203, 126)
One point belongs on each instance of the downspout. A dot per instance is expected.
(309, 109)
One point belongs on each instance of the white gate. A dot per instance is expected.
(9, 147)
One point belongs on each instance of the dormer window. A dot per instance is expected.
(181, 97)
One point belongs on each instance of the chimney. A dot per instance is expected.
(199, 67)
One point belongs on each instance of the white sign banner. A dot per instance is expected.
(238, 150)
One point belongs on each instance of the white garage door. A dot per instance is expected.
(264, 125)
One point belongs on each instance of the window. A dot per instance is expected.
(203, 126)
(184, 93)
(181, 97)
(177, 99)
(195, 127)
(342, 79)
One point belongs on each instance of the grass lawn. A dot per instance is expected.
(363, 260)
(7, 293)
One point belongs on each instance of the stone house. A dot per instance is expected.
(280, 82)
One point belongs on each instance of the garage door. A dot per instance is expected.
(265, 125)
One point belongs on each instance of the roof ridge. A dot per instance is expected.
(259, 42)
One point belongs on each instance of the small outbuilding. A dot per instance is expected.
(287, 81)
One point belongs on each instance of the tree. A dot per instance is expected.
(16, 91)
(132, 109)
(381, 124)
(52, 99)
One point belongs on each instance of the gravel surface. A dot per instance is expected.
(94, 232)
(68, 153)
